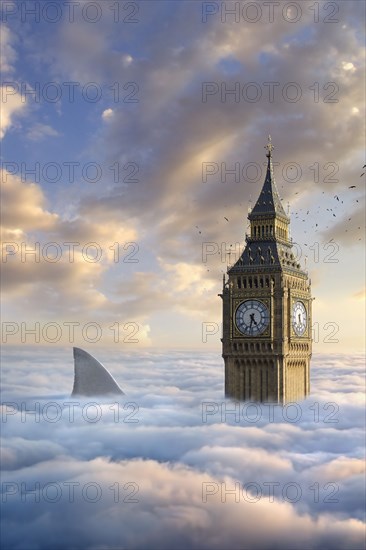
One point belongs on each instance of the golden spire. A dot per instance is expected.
(269, 147)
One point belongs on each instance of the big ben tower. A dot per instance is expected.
(266, 342)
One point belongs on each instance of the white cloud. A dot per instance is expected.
(178, 464)
(40, 131)
(8, 54)
(12, 105)
(107, 114)
(127, 60)
(348, 66)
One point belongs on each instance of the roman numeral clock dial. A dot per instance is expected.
(252, 317)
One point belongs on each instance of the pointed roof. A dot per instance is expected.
(269, 202)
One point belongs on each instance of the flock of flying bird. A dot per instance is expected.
(297, 213)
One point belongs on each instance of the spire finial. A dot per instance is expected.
(269, 147)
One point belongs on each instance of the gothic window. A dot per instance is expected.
(245, 282)
(239, 282)
(250, 282)
(261, 282)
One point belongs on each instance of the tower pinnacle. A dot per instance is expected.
(269, 202)
(269, 147)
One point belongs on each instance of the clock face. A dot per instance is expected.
(299, 318)
(252, 317)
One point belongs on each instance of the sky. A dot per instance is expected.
(132, 146)
(120, 126)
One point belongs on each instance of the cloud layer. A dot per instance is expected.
(175, 464)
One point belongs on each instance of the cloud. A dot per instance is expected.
(12, 106)
(40, 131)
(24, 205)
(200, 481)
(66, 259)
(167, 134)
(8, 52)
(360, 295)
(107, 114)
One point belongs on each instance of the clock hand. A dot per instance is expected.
(252, 319)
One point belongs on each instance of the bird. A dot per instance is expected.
(226, 219)
(352, 187)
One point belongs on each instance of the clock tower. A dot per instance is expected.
(266, 343)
